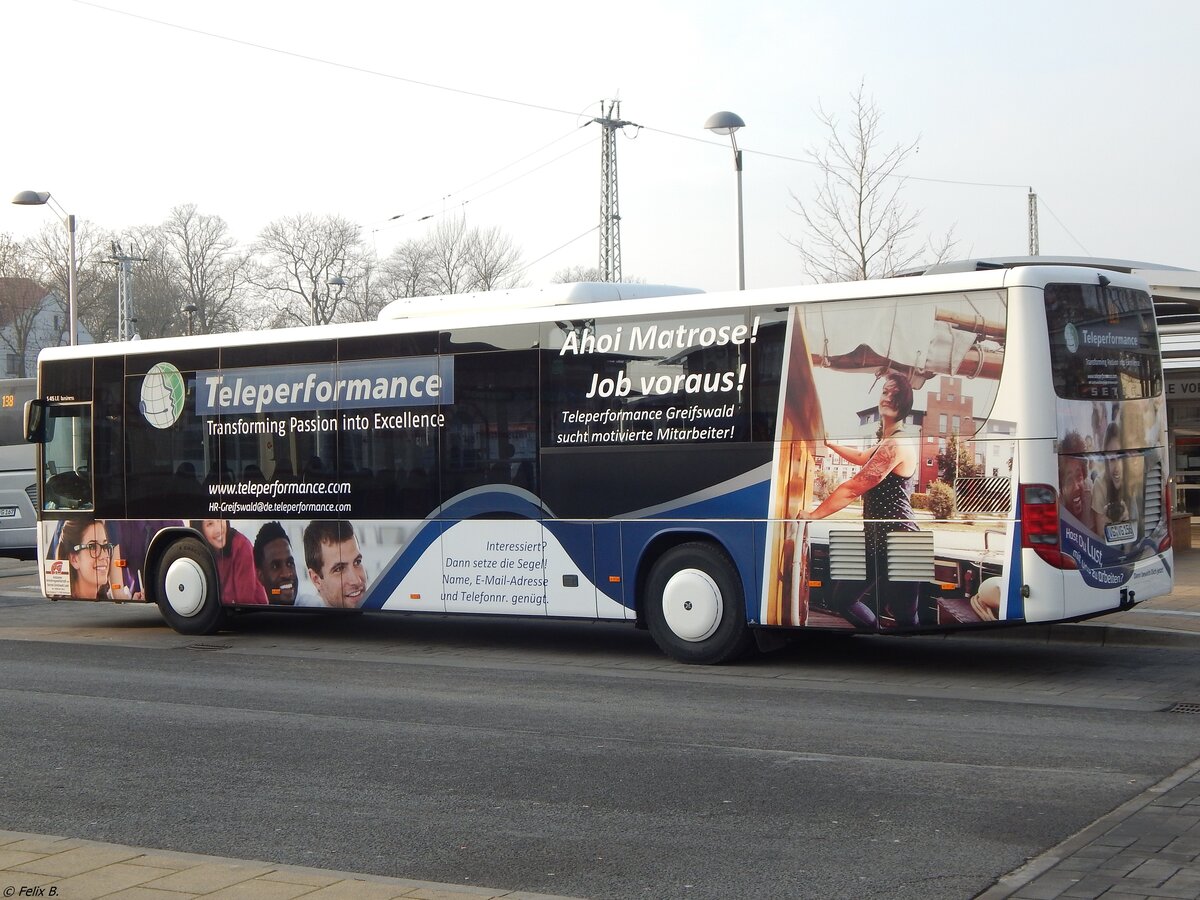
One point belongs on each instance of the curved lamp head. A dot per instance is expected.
(31, 198)
(724, 122)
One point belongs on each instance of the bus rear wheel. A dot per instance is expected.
(186, 588)
(695, 608)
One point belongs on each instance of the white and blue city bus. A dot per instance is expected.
(912, 455)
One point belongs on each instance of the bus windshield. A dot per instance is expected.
(1103, 343)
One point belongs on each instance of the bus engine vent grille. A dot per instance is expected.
(910, 555)
(847, 556)
(1153, 495)
(33, 498)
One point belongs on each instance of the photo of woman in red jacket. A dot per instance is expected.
(235, 562)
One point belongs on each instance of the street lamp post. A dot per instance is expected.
(41, 198)
(190, 310)
(338, 284)
(726, 122)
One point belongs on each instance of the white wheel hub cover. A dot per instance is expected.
(185, 587)
(692, 605)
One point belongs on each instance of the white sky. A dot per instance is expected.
(1084, 100)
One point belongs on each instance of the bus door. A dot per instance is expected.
(65, 434)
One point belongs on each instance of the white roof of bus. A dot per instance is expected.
(529, 298)
(656, 299)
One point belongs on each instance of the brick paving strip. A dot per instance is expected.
(85, 870)
(1148, 847)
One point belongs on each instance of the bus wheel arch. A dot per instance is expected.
(692, 600)
(186, 588)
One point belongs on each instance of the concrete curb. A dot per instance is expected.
(1089, 633)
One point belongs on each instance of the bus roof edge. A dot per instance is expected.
(530, 298)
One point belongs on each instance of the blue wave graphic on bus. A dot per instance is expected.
(1100, 565)
(748, 502)
(491, 503)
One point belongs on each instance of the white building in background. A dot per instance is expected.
(30, 320)
(1177, 308)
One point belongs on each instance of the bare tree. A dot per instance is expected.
(453, 259)
(12, 256)
(449, 258)
(406, 271)
(49, 258)
(300, 256)
(571, 274)
(492, 258)
(587, 273)
(212, 269)
(857, 226)
(20, 303)
(365, 292)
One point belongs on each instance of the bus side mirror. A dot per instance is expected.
(35, 421)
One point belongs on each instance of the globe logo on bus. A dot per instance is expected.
(1071, 337)
(163, 393)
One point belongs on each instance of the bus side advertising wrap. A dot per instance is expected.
(886, 450)
(851, 458)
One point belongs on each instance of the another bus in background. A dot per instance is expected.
(18, 483)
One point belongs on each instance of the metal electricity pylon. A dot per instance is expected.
(610, 208)
(125, 317)
(1033, 224)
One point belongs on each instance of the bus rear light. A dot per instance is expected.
(1039, 524)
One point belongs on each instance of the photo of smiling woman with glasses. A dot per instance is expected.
(86, 546)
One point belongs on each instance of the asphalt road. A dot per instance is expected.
(573, 758)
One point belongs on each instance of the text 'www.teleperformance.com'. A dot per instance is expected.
(266, 497)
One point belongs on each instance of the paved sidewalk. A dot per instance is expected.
(1146, 848)
(34, 865)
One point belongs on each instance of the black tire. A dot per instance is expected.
(186, 588)
(695, 607)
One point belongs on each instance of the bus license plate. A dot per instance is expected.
(1120, 532)
(8, 512)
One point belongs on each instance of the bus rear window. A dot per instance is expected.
(1103, 342)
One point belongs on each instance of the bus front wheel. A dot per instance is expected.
(187, 588)
(695, 608)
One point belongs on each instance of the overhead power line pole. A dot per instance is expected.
(125, 317)
(610, 211)
(1033, 224)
